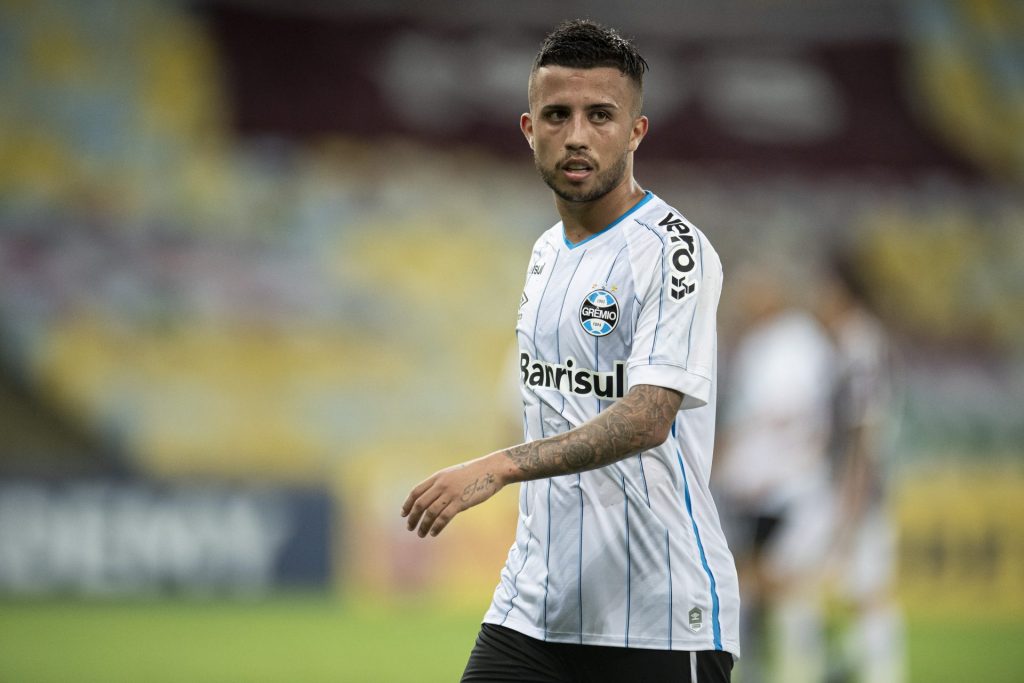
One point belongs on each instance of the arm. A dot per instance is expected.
(869, 391)
(638, 421)
(857, 475)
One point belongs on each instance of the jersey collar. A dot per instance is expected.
(646, 198)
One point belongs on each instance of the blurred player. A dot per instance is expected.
(864, 540)
(619, 570)
(773, 477)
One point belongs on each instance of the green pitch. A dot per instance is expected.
(310, 640)
(279, 640)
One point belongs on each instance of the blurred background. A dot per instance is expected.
(259, 263)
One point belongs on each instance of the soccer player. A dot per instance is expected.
(619, 570)
(863, 548)
(773, 477)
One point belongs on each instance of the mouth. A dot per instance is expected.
(576, 169)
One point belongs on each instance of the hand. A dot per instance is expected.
(438, 498)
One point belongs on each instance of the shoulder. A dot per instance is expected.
(804, 336)
(549, 236)
(796, 324)
(863, 337)
(548, 240)
(660, 232)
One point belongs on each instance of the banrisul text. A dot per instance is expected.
(568, 378)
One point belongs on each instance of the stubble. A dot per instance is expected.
(607, 181)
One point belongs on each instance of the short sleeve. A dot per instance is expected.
(679, 282)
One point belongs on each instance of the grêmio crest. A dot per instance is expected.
(599, 313)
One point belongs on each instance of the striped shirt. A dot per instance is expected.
(631, 554)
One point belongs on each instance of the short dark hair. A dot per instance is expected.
(846, 267)
(584, 44)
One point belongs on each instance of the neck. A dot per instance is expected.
(583, 219)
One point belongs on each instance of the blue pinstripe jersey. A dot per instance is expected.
(631, 554)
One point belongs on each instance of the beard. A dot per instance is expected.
(604, 181)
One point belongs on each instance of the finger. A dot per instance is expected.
(420, 505)
(431, 514)
(443, 518)
(416, 492)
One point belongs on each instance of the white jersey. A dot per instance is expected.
(777, 417)
(631, 554)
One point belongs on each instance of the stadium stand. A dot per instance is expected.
(211, 302)
(966, 60)
(191, 287)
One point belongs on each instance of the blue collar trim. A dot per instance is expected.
(646, 198)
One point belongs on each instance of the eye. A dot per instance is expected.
(557, 115)
(600, 116)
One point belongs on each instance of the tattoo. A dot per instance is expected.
(481, 484)
(632, 424)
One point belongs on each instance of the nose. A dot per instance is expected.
(576, 134)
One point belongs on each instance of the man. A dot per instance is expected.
(619, 570)
(863, 540)
(772, 476)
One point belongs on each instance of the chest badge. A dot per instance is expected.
(599, 313)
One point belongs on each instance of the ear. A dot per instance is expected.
(526, 125)
(637, 134)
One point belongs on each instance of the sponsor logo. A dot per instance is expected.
(695, 619)
(568, 378)
(599, 313)
(682, 241)
(108, 538)
(537, 269)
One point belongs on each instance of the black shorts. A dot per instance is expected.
(503, 655)
(751, 535)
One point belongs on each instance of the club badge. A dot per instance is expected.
(599, 313)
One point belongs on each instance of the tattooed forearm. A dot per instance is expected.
(638, 421)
